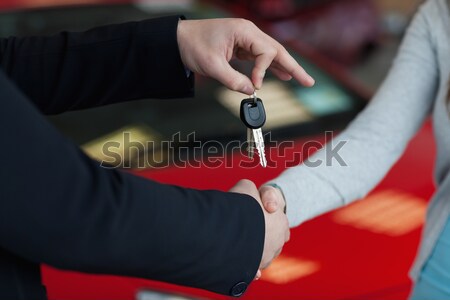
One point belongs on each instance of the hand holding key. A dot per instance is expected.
(207, 46)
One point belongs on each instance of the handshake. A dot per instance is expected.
(277, 227)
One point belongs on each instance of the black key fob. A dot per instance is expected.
(253, 114)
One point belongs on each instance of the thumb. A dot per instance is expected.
(269, 198)
(246, 186)
(232, 79)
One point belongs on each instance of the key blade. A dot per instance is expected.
(259, 142)
(250, 143)
(262, 157)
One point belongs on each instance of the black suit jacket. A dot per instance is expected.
(61, 208)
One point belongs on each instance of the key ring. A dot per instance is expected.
(254, 97)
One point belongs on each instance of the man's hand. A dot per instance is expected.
(277, 227)
(207, 46)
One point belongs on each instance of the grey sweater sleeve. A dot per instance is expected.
(376, 138)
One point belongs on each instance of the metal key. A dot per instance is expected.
(250, 143)
(254, 116)
(250, 139)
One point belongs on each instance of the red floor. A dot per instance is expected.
(363, 251)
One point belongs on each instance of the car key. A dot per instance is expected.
(253, 115)
(250, 140)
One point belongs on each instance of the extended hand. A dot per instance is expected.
(207, 46)
(277, 228)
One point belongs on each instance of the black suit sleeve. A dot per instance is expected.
(60, 208)
(101, 66)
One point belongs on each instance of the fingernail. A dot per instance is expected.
(312, 81)
(249, 90)
(273, 205)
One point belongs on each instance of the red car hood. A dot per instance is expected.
(357, 252)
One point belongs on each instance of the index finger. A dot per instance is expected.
(285, 62)
(267, 52)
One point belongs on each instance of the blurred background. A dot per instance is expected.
(362, 251)
(347, 45)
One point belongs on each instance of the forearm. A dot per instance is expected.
(375, 140)
(101, 66)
